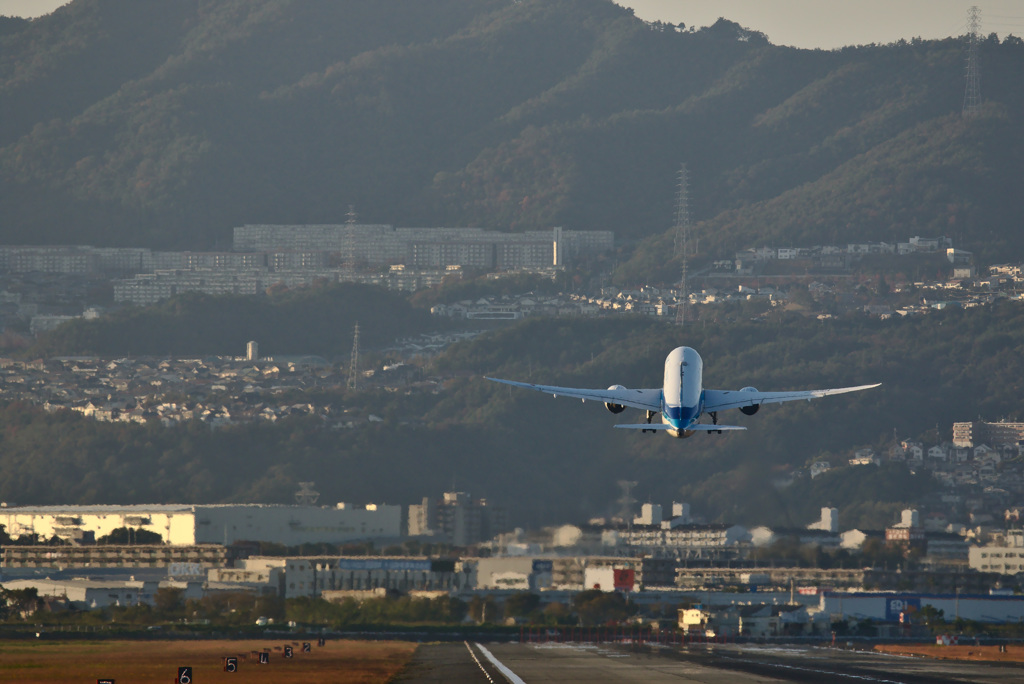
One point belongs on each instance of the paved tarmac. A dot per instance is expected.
(586, 663)
(814, 664)
(445, 663)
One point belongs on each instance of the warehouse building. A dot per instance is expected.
(889, 606)
(115, 555)
(189, 525)
(336, 577)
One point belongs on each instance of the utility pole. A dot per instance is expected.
(972, 94)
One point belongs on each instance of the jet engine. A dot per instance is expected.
(750, 410)
(615, 408)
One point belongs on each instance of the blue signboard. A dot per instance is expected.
(901, 604)
(540, 566)
(386, 564)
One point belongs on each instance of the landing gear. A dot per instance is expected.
(650, 417)
(714, 421)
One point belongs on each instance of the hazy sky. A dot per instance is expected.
(29, 8)
(804, 23)
(834, 23)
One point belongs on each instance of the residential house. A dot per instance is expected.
(819, 467)
(913, 450)
(938, 454)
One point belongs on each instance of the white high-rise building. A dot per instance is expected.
(829, 521)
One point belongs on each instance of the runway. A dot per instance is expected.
(585, 663)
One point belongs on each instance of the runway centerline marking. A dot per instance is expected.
(509, 674)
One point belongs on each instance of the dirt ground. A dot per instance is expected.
(50, 662)
(1014, 654)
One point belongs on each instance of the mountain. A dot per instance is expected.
(165, 124)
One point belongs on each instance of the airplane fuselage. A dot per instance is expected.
(682, 392)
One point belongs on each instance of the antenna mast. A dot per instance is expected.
(353, 364)
(972, 95)
(682, 242)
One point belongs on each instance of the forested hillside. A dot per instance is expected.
(168, 123)
(552, 461)
(317, 320)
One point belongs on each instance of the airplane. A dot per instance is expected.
(682, 399)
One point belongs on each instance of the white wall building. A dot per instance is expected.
(650, 514)
(1007, 558)
(86, 594)
(523, 573)
(184, 524)
(829, 521)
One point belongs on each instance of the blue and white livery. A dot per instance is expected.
(682, 399)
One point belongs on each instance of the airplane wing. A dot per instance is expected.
(649, 399)
(704, 427)
(720, 400)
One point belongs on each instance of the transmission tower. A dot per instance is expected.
(353, 364)
(682, 239)
(972, 95)
(351, 218)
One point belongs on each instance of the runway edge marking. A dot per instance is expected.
(509, 674)
(477, 661)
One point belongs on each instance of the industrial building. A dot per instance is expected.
(571, 573)
(189, 525)
(433, 248)
(402, 574)
(888, 606)
(116, 555)
(295, 255)
(85, 594)
(334, 577)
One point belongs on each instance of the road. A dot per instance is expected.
(586, 663)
